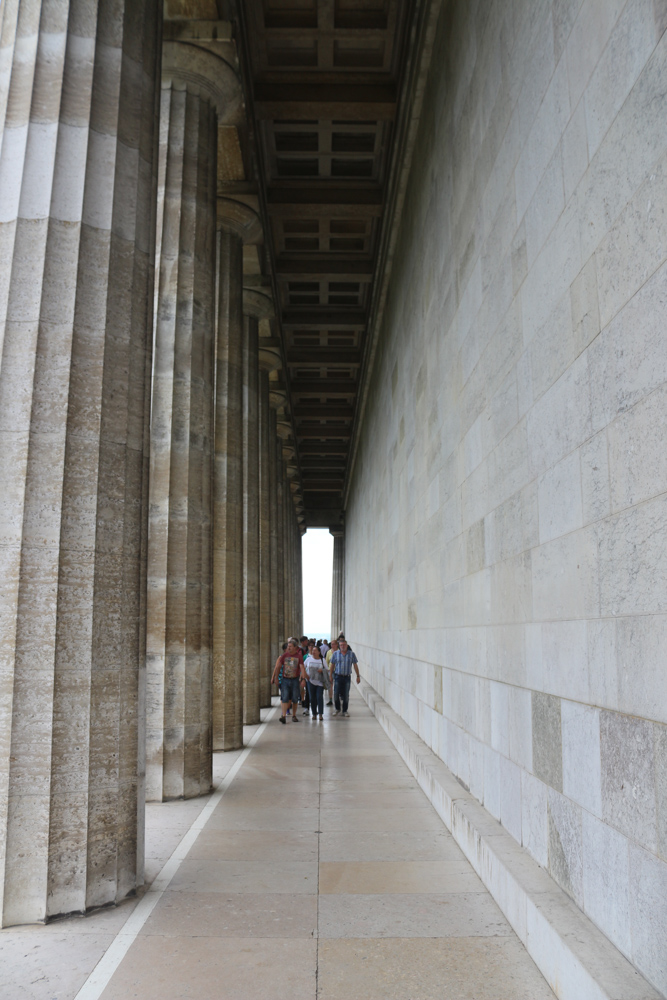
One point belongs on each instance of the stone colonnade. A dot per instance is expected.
(149, 548)
(338, 583)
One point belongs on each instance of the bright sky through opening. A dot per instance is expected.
(317, 549)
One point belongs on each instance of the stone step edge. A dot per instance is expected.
(573, 955)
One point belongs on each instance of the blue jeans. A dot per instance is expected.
(342, 691)
(289, 691)
(316, 698)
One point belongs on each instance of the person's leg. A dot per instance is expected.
(284, 699)
(345, 693)
(296, 696)
(320, 701)
(337, 692)
(312, 698)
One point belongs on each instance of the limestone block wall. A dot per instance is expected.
(506, 528)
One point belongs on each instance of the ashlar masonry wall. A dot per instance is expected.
(506, 530)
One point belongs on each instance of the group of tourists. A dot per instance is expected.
(307, 668)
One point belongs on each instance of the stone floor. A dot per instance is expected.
(323, 872)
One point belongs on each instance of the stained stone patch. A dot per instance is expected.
(628, 776)
(547, 740)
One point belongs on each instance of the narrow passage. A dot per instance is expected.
(324, 874)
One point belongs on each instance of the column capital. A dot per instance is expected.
(270, 359)
(237, 217)
(283, 429)
(257, 303)
(206, 74)
(337, 532)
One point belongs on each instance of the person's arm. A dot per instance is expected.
(276, 671)
(356, 667)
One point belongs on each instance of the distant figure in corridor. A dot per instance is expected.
(315, 671)
(291, 664)
(332, 649)
(342, 662)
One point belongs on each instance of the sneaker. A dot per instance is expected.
(283, 720)
(321, 718)
(346, 715)
(328, 703)
(337, 712)
(305, 711)
(294, 718)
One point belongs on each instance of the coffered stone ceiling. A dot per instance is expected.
(331, 91)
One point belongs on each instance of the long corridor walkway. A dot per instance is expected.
(323, 872)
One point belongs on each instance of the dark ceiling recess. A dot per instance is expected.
(324, 76)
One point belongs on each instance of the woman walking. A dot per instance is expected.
(315, 667)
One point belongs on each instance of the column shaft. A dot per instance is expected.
(287, 551)
(280, 554)
(178, 736)
(251, 612)
(77, 195)
(276, 633)
(338, 585)
(265, 633)
(228, 502)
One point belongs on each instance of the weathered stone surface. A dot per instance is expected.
(178, 703)
(627, 753)
(547, 743)
(565, 844)
(505, 513)
(77, 193)
(228, 501)
(251, 552)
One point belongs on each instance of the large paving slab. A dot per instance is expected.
(323, 873)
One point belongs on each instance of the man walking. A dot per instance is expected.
(290, 665)
(342, 662)
(327, 656)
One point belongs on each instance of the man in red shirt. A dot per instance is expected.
(293, 671)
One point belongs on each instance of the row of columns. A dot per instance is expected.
(149, 548)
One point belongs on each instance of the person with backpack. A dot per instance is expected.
(290, 668)
(315, 671)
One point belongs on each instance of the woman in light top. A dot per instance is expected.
(315, 667)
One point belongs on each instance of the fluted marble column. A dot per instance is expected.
(251, 613)
(300, 579)
(338, 584)
(280, 543)
(178, 660)
(77, 222)
(237, 224)
(269, 360)
(288, 551)
(276, 635)
(228, 502)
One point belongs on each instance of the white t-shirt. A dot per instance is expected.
(314, 670)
